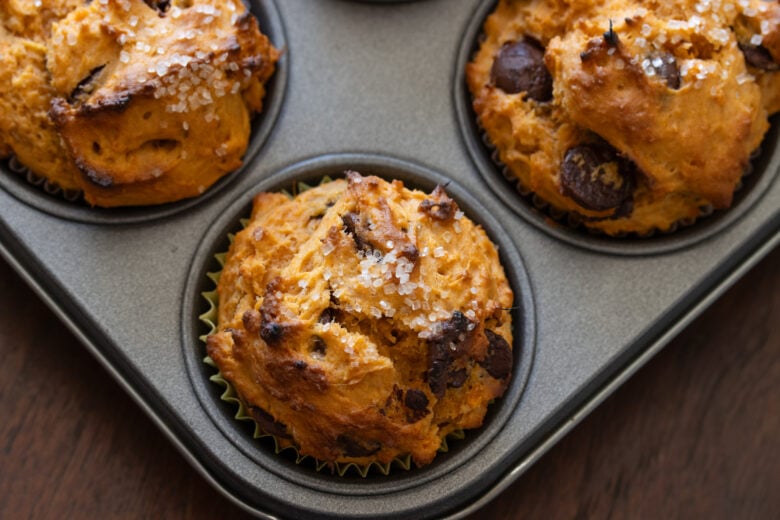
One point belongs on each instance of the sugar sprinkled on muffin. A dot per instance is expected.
(362, 321)
(136, 102)
(629, 119)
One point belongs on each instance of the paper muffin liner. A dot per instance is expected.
(43, 183)
(576, 221)
(230, 396)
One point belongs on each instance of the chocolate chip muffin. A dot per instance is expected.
(631, 117)
(362, 321)
(132, 102)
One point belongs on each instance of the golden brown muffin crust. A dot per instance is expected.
(25, 93)
(151, 101)
(362, 321)
(679, 92)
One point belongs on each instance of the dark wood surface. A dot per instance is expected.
(694, 434)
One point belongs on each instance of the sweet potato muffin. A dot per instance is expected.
(151, 101)
(632, 116)
(26, 129)
(362, 321)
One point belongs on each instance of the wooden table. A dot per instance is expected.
(694, 434)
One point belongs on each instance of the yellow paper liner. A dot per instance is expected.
(229, 394)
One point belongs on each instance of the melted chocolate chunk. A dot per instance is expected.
(519, 67)
(271, 332)
(352, 447)
(329, 315)
(415, 399)
(267, 422)
(498, 362)
(596, 177)
(437, 370)
(448, 343)
(456, 378)
(758, 56)
(416, 403)
(453, 332)
(665, 65)
(318, 346)
(159, 5)
(353, 226)
(439, 206)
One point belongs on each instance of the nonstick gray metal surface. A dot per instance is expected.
(375, 86)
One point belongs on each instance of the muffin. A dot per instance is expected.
(630, 117)
(26, 130)
(362, 322)
(132, 102)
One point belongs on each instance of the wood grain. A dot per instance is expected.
(695, 433)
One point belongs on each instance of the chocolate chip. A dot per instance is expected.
(596, 177)
(416, 399)
(758, 56)
(159, 5)
(452, 331)
(271, 332)
(665, 66)
(519, 67)
(439, 206)
(448, 342)
(456, 378)
(353, 226)
(318, 347)
(416, 403)
(328, 315)
(498, 362)
(437, 370)
(352, 447)
(267, 422)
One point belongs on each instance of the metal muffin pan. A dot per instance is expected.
(378, 81)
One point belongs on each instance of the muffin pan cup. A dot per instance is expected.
(460, 452)
(568, 226)
(375, 86)
(46, 196)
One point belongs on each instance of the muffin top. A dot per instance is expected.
(361, 321)
(148, 102)
(633, 115)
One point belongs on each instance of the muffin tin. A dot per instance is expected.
(376, 87)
